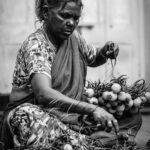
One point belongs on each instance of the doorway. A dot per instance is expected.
(120, 21)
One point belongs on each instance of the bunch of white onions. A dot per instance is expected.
(118, 98)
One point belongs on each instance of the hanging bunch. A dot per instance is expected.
(117, 97)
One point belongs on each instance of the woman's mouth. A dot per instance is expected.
(67, 33)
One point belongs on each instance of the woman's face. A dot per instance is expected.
(61, 22)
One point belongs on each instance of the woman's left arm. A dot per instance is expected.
(97, 56)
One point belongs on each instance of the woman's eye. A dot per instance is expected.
(76, 18)
(69, 16)
(65, 16)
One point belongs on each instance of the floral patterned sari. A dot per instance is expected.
(36, 128)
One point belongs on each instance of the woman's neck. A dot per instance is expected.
(51, 38)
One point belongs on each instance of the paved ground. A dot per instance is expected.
(144, 133)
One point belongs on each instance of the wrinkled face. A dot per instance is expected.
(61, 22)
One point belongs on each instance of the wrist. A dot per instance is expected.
(85, 108)
(103, 52)
(92, 108)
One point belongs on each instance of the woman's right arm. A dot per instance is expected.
(47, 96)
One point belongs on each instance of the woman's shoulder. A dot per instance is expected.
(36, 36)
(35, 39)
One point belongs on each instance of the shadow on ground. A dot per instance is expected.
(144, 133)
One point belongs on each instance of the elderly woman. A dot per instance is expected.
(49, 79)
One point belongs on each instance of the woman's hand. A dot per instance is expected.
(105, 119)
(110, 50)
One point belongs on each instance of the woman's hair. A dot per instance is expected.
(39, 4)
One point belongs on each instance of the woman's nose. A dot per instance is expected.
(70, 22)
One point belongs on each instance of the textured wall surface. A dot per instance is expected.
(147, 37)
(16, 22)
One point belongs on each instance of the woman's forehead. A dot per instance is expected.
(70, 6)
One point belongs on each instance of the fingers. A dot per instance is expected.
(109, 124)
(112, 50)
(116, 126)
(116, 49)
(105, 119)
(110, 43)
(101, 123)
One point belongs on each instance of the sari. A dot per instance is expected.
(27, 124)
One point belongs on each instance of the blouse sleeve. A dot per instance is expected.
(88, 50)
(38, 57)
(92, 55)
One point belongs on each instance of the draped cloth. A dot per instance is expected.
(69, 69)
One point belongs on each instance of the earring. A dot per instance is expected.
(45, 16)
(45, 11)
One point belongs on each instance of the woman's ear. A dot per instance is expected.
(45, 11)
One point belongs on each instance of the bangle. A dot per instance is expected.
(84, 108)
(92, 109)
